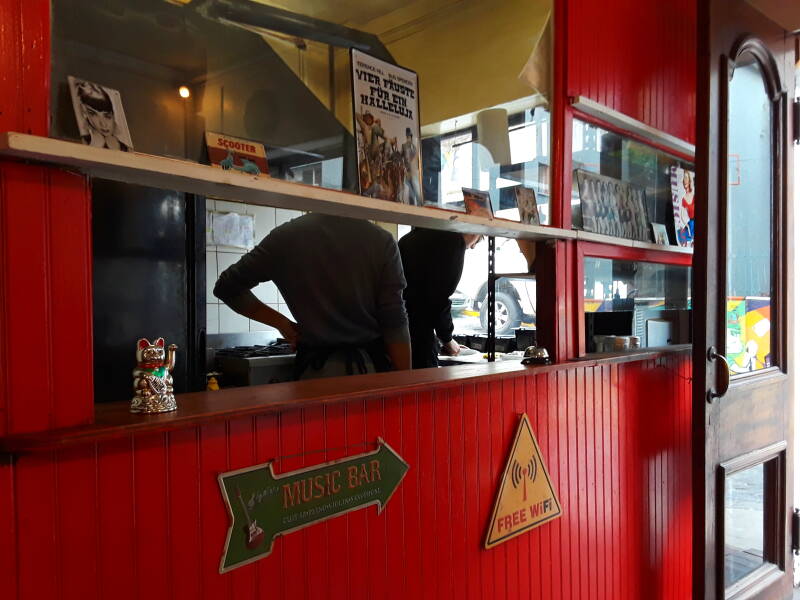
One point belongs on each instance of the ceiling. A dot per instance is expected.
(350, 12)
(390, 20)
(785, 13)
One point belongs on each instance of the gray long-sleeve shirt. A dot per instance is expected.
(341, 278)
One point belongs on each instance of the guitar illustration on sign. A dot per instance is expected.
(254, 533)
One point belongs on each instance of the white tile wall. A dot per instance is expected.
(265, 220)
(283, 215)
(267, 292)
(212, 318)
(220, 318)
(211, 275)
(228, 206)
(225, 258)
(232, 322)
(284, 310)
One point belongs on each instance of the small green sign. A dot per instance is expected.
(263, 506)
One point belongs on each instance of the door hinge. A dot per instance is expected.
(796, 120)
(796, 531)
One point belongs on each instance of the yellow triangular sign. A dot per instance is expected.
(526, 498)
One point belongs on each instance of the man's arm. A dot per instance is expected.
(392, 317)
(234, 285)
(251, 307)
(400, 354)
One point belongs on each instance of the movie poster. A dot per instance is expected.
(682, 184)
(386, 118)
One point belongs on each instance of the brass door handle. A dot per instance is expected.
(723, 380)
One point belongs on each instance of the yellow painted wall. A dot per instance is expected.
(468, 54)
(470, 59)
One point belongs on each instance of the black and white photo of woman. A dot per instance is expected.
(101, 121)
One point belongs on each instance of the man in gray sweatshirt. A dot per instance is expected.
(343, 281)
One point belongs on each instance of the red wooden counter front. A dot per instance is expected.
(141, 515)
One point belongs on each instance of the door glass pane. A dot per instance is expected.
(749, 287)
(744, 523)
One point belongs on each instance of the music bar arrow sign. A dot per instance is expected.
(262, 505)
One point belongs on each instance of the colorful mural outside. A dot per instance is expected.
(747, 323)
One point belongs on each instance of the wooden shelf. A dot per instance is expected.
(588, 236)
(186, 176)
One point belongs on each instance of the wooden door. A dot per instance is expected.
(742, 416)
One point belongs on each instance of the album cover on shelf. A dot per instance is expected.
(477, 202)
(660, 234)
(612, 207)
(100, 116)
(682, 184)
(236, 154)
(526, 203)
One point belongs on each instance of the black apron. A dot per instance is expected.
(424, 347)
(316, 357)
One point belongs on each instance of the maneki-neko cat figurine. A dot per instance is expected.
(152, 382)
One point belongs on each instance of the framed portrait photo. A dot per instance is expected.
(526, 203)
(100, 116)
(660, 234)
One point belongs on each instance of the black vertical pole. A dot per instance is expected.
(490, 284)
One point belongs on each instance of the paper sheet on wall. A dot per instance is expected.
(209, 228)
(233, 229)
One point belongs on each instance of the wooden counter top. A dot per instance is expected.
(113, 419)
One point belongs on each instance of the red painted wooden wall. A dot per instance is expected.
(637, 57)
(143, 517)
(45, 299)
(45, 248)
(24, 65)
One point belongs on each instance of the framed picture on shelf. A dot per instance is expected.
(386, 117)
(682, 184)
(612, 207)
(477, 202)
(526, 203)
(660, 234)
(235, 154)
(100, 116)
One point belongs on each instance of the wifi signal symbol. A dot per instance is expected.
(520, 475)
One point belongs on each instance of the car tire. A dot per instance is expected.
(508, 313)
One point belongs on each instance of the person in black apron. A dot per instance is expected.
(342, 280)
(432, 262)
